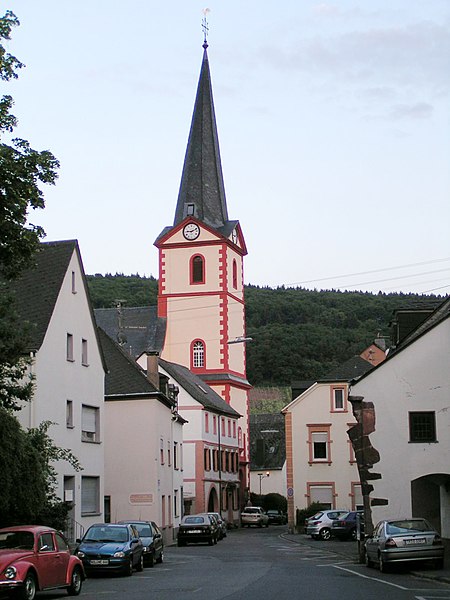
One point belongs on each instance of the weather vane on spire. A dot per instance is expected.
(205, 27)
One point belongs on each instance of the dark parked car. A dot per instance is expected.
(222, 525)
(404, 540)
(345, 527)
(35, 558)
(198, 528)
(152, 539)
(111, 547)
(276, 517)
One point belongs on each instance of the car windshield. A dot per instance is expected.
(18, 540)
(407, 526)
(344, 516)
(252, 510)
(144, 529)
(106, 534)
(194, 520)
(317, 515)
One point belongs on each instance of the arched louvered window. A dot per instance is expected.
(198, 354)
(235, 274)
(197, 269)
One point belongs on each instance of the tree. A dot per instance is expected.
(22, 169)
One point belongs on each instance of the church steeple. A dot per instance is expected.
(202, 191)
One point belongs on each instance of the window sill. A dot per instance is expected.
(86, 441)
(423, 442)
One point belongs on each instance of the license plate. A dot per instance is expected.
(99, 562)
(194, 530)
(413, 541)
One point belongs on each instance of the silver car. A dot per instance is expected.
(404, 540)
(254, 515)
(319, 526)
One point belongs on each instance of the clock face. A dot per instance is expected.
(191, 231)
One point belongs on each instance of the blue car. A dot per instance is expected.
(107, 547)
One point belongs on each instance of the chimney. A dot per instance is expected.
(152, 368)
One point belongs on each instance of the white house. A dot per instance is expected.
(402, 441)
(211, 445)
(321, 465)
(143, 443)
(69, 372)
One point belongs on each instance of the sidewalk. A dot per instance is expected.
(350, 551)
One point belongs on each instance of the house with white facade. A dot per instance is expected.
(321, 465)
(402, 439)
(68, 369)
(143, 442)
(211, 445)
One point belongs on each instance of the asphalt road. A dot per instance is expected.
(262, 564)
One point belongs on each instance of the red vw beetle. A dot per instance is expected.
(34, 558)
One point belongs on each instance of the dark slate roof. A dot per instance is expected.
(202, 179)
(351, 369)
(38, 287)
(125, 378)
(142, 330)
(298, 387)
(196, 387)
(267, 441)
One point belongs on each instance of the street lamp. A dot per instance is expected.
(261, 477)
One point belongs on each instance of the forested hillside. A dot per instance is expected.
(297, 334)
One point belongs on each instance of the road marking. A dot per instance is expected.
(400, 587)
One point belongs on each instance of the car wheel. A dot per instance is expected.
(75, 583)
(128, 570)
(160, 559)
(369, 563)
(382, 565)
(140, 565)
(211, 541)
(28, 589)
(353, 535)
(325, 534)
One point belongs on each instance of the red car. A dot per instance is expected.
(35, 558)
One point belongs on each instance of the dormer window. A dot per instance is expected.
(190, 210)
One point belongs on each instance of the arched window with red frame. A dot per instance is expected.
(235, 274)
(197, 269)
(197, 354)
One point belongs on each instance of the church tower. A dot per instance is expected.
(201, 282)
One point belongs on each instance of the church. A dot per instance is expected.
(197, 331)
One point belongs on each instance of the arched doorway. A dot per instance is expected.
(430, 497)
(213, 501)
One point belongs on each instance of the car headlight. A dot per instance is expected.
(119, 554)
(80, 554)
(10, 572)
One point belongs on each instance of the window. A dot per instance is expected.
(223, 427)
(338, 399)
(90, 424)
(161, 451)
(319, 443)
(207, 459)
(323, 493)
(46, 543)
(214, 425)
(69, 347)
(198, 354)
(206, 422)
(169, 460)
(90, 494)
(84, 353)
(215, 460)
(235, 274)
(422, 427)
(229, 428)
(197, 269)
(175, 455)
(69, 414)
(175, 503)
(234, 429)
(74, 283)
(163, 511)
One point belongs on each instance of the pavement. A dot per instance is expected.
(350, 551)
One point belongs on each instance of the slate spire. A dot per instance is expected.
(202, 191)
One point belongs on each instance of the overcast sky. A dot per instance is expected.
(333, 122)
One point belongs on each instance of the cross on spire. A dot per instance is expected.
(205, 27)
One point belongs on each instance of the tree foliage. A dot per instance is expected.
(297, 334)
